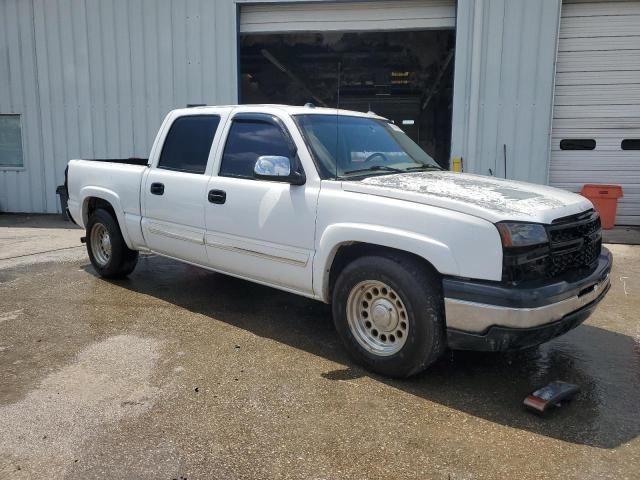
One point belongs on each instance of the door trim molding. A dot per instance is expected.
(267, 252)
(157, 230)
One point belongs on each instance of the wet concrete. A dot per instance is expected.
(49, 237)
(182, 372)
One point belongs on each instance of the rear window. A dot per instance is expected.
(187, 145)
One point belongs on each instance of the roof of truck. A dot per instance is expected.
(308, 109)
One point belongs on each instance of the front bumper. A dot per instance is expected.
(493, 317)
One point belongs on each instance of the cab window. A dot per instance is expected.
(187, 145)
(248, 140)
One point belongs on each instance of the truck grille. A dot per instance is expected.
(575, 242)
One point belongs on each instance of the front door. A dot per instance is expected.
(258, 229)
(175, 189)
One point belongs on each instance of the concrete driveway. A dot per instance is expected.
(182, 373)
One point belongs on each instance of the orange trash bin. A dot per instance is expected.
(605, 199)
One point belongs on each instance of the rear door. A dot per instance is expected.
(259, 229)
(174, 192)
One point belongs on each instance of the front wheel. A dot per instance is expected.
(388, 313)
(107, 250)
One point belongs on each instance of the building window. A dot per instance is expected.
(630, 144)
(577, 144)
(10, 141)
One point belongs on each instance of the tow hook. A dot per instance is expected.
(83, 239)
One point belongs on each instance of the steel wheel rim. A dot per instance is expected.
(100, 244)
(377, 317)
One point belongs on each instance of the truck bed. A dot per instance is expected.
(128, 161)
(117, 180)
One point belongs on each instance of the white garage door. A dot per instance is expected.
(348, 16)
(596, 121)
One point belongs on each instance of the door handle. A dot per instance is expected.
(157, 188)
(217, 196)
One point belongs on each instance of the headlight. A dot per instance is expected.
(522, 234)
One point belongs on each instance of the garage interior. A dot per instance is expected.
(405, 76)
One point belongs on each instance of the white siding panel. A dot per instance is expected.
(628, 42)
(598, 97)
(138, 77)
(619, 110)
(591, 27)
(589, 8)
(12, 68)
(613, 77)
(94, 78)
(397, 14)
(503, 86)
(32, 186)
(599, 61)
(594, 125)
(596, 94)
(18, 97)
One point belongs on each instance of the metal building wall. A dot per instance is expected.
(94, 78)
(503, 87)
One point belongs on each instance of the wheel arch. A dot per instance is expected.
(341, 245)
(93, 199)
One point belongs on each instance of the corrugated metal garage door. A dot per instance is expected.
(348, 16)
(597, 98)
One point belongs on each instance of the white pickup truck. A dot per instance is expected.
(345, 208)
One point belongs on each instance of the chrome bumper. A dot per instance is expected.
(475, 307)
(478, 317)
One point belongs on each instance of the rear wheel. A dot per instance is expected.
(388, 312)
(106, 247)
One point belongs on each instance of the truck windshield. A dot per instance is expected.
(350, 147)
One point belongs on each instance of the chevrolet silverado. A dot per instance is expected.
(343, 207)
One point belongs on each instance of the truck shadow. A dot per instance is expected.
(603, 363)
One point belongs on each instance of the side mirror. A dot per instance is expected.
(277, 169)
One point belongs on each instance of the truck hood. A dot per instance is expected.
(490, 198)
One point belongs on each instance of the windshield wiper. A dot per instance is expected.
(374, 168)
(424, 167)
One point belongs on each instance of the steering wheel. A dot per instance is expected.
(377, 154)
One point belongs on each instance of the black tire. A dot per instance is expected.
(421, 292)
(122, 260)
